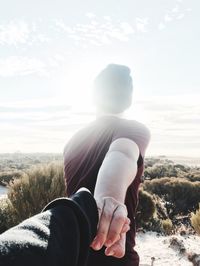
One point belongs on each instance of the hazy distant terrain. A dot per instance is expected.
(21, 161)
(190, 161)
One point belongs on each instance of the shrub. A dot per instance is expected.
(167, 226)
(161, 170)
(154, 224)
(146, 207)
(151, 213)
(7, 214)
(195, 220)
(181, 194)
(161, 209)
(38, 186)
(193, 175)
(7, 176)
(157, 186)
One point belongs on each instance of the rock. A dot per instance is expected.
(194, 258)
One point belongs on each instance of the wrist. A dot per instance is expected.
(118, 194)
(113, 204)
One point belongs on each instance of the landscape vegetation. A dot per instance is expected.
(169, 195)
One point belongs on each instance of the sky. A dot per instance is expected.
(50, 52)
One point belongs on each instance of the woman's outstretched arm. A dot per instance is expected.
(117, 172)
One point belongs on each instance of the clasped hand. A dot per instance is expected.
(112, 227)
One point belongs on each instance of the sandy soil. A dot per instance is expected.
(150, 247)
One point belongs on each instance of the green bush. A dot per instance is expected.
(161, 210)
(151, 213)
(146, 207)
(167, 168)
(154, 224)
(161, 170)
(195, 220)
(38, 186)
(193, 175)
(157, 186)
(182, 195)
(167, 226)
(7, 215)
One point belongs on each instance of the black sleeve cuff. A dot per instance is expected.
(84, 206)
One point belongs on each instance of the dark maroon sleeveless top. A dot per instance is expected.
(83, 156)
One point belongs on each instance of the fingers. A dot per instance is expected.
(104, 223)
(117, 250)
(112, 223)
(126, 226)
(117, 225)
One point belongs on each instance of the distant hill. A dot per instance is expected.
(190, 161)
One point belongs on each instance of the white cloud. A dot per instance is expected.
(141, 24)
(107, 18)
(90, 15)
(62, 26)
(173, 121)
(18, 65)
(176, 13)
(99, 31)
(39, 125)
(127, 28)
(35, 104)
(59, 57)
(105, 40)
(168, 18)
(118, 35)
(180, 16)
(41, 38)
(26, 65)
(14, 32)
(175, 9)
(19, 32)
(161, 26)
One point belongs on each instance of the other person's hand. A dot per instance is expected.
(118, 248)
(112, 227)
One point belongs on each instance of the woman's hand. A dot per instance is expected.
(112, 227)
(118, 248)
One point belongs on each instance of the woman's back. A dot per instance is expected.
(83, 157)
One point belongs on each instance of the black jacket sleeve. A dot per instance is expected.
(59, 236)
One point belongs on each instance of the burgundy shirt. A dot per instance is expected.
(83, 156)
